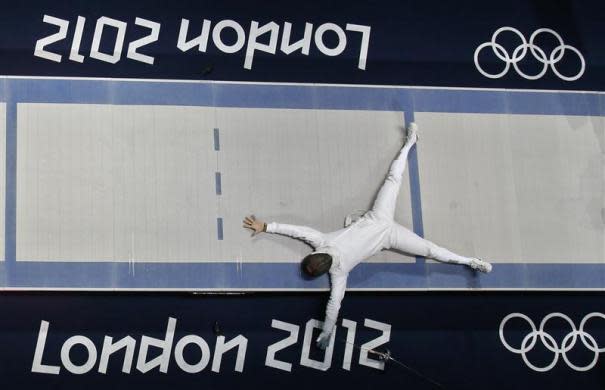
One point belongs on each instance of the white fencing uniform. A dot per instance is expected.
(375, 231)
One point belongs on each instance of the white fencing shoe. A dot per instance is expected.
(412, 132)
(480, 265)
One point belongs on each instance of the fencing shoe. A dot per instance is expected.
(480, 265)
(412, 132)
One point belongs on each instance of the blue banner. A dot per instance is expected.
(514, 44)
(413, 341)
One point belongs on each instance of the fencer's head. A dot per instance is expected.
(316, 264)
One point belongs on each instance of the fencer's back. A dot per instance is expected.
(360, 240)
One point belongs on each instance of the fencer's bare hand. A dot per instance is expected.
(256, 225)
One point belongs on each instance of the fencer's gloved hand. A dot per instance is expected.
(323, 340)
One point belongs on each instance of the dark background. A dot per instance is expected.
(450, 337)
(412, 42)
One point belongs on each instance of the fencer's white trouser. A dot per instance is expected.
(399, 237)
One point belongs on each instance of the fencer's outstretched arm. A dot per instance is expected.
(337, 293)
(307, 234)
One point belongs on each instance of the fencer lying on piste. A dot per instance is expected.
(339, 251)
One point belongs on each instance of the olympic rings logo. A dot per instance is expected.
(520, 51)
(569, 341)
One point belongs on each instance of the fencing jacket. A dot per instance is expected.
(348, 247)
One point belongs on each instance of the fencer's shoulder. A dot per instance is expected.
(336, 269)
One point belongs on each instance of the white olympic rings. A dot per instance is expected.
(520, 51)
(569, 341)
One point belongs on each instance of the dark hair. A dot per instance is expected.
(316, 264)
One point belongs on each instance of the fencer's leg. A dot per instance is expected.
(409, 242)
(386, 200)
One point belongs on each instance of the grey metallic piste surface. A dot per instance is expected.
(137, 183)
(514, 188)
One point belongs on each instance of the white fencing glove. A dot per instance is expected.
(323, 340)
